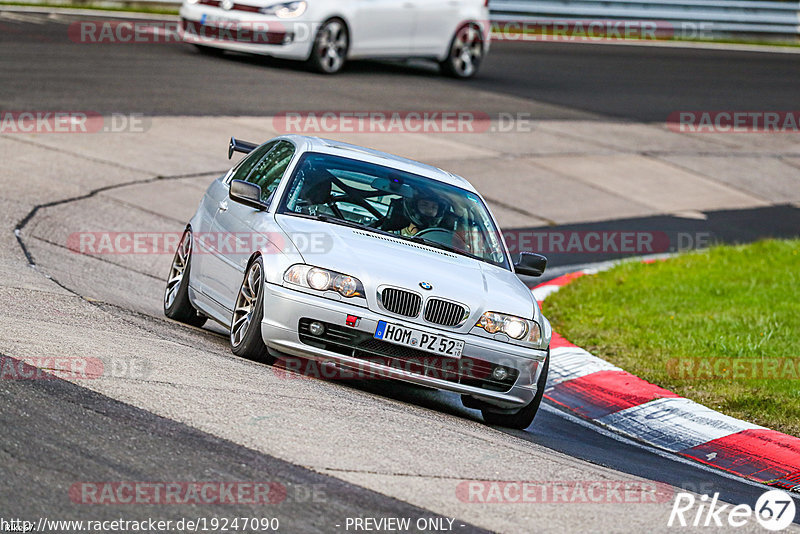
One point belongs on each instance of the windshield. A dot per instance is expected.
(389, 200)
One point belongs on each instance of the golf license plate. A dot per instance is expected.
(216, 21)
(416, 339)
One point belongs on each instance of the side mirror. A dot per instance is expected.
(247, 194)
(530, 264)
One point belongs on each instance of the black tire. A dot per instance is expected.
(210, 50)
(465, 54)
(523, 418)
(329, 53)
(177, 305)
(245, 334)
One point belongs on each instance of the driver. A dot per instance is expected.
(423, 210)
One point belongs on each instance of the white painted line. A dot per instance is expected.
(674, 424)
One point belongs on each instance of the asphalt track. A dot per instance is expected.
(51, 419)
(63, 432)
(549, 80)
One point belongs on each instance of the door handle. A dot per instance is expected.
(223, 206)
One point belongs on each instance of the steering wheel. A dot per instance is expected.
(445, 237)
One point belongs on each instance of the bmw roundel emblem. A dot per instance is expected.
(426, 286)
(227, 5)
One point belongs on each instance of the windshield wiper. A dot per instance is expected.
(436, 244)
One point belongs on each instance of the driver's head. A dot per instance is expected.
(425, 209)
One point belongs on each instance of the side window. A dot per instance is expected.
(244, 167)
(268, 172)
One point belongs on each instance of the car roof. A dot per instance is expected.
(340, 148)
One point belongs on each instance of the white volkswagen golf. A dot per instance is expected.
(326, 33)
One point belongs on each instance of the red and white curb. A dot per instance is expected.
(596, 390)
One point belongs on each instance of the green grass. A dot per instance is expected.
(79, 5)
(740, 303)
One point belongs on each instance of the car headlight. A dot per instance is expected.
(285, 10)
(191, 2)
(514, 327)
(320, 279)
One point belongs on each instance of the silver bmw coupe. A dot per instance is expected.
(318, 251)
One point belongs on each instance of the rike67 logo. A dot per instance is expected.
(774, 510)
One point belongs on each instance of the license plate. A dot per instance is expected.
(212, 20)
(410, 337)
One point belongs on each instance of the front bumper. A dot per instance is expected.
(247, 32)
(286, 307)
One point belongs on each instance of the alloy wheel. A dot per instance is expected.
(246, 303)
(467, 51)
(332, 46)
(176, 273)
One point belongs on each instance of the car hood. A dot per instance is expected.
(378, 260)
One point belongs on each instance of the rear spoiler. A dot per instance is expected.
(240, 146)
